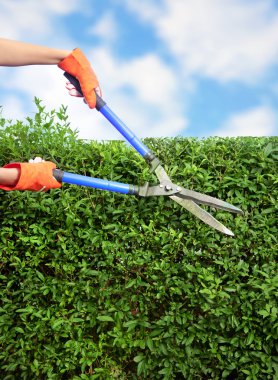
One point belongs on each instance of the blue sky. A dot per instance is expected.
(166, 67)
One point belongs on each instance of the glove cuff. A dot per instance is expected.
(34, 177)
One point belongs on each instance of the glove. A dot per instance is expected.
(34, 176)
(77, 65)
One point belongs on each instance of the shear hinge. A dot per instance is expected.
(165, 188)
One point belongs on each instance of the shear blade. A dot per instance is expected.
(209, 201)
(201, 214)
(197, 197)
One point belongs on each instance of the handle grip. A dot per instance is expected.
(58, 175)
(74, 81)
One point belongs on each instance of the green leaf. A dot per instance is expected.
(264, 313)
(20, 330)
(105, 318)
(139, 358)
(150, 343)
(57, 323)
(189, 340)
(131, 324)
(40, 275)
(131, 283)
(250, 338)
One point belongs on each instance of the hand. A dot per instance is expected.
(74, 92)
(37, 175)
(77, 65)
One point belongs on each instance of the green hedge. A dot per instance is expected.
(96, 285)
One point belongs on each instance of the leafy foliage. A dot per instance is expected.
(96, 285)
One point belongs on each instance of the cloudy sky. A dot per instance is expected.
(166, 67)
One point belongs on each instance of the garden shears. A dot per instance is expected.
(188, 199)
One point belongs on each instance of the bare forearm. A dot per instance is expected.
(9, 177)
(15, 53)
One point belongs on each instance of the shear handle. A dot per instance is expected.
(96, 183)
(102, 107)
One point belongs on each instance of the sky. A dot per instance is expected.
(192, 68)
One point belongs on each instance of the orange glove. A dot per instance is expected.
(77, 65)
(34, 177)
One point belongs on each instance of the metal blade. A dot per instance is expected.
(161, 174)
(197, 197)
(208, 200)
(201, 214)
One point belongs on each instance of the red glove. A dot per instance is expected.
(77, 65)
(34, 177)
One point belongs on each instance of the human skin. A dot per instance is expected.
(17, 53)
(9, 177)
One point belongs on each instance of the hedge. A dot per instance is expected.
(97, 285)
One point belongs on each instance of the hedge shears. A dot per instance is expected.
(188, 199)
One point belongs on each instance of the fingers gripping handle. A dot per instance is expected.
(99, 103)
(116, 122)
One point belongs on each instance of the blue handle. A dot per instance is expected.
(82, 180)
(126, 132)
(116, 122)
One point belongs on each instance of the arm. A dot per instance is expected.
(15, 53)
(9, 177)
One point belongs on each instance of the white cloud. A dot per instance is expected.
(224, 40)
(106, 28)
(147, 10)
(33, 19)
(274, 89)
(152, 80)
(259, 121)
(143, 92)
(13, 106)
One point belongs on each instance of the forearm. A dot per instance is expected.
(15, 53)
(9, 177)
